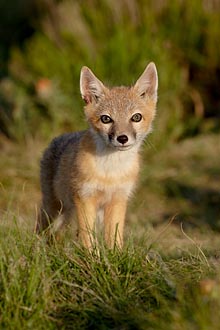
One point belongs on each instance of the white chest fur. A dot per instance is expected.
(116, 164)
(112, 173)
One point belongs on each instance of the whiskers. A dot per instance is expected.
(149, 144)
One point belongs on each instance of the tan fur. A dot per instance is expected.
(97, 169)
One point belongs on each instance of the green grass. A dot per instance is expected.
(65, 287)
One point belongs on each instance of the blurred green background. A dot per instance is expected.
(44, 43)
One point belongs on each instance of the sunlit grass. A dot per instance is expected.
(64, 286)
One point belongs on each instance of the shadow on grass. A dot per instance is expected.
(97, 318)
(200, 205)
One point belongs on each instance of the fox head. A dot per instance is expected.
(120, 116)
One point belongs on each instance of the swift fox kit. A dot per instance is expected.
(97, 169)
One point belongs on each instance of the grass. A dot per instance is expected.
(65, 287)
(166, 277)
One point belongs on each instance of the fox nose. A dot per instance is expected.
(122, 139)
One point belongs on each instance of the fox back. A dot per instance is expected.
(98, 168)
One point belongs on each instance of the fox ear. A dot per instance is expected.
(147, 84)
(90, 86)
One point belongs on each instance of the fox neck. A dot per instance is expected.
(114, 163)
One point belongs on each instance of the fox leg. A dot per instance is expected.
(114, 217)
(86, 215)
(48, 213)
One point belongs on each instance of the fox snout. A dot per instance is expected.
(123, 142)
(122, 139)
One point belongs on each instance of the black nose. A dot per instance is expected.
(122, 139)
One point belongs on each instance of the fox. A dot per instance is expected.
(91, 172)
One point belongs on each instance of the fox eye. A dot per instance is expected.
(136, 117)
(106, 119)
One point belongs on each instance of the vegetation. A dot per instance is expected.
(65, 287)
(167, 275)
